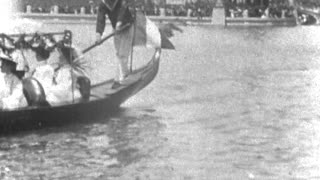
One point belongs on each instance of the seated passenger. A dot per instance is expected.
(44, 72)
(11, 93)
(22, 64)
(65, 89)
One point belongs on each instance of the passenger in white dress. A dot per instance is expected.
(44, 72)
(11, 91)
(65, 89)
(19, 57)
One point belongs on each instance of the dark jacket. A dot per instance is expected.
(117, 10)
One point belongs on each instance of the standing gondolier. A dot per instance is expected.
(119, 16)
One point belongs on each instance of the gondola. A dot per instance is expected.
(306, 17)
(104, 99)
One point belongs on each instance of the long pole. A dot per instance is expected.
(71, 70)
(134, 33)
(104, 39)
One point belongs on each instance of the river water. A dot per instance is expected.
(229, 103)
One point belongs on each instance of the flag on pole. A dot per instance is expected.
(148, 34)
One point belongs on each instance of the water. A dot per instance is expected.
(236, 103)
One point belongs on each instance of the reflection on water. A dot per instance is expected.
(234, 103)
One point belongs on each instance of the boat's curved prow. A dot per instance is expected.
(143, 76)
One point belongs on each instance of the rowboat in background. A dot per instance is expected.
(308, 17)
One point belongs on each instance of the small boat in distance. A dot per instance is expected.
(306, 17)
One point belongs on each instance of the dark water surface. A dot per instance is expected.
(236, 103)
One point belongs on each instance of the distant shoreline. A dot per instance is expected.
(90, 19)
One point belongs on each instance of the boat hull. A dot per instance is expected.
(104, 101)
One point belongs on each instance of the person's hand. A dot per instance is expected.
(98, 38)
(118, 25)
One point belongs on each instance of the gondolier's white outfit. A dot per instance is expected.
(123, 43)
(119, 15)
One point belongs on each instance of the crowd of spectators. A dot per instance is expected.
(259, 9)
(199, 8)
(192, 9)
